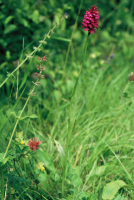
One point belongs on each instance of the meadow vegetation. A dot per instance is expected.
(78, 103)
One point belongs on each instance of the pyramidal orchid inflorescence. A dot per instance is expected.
(90, 20)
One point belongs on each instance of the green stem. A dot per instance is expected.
(15, 127)
(17, 123)
(70, 126)
(50, 31)
(19, 66)
(2, 183)
(73, 93)
(68, 50)
(69, 46)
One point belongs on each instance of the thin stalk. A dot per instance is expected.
(73, 92)
(68, 50)
(17, 122)
(35, 50)
(69, 46)
(19, 66)
(2, 183)
(70, 126)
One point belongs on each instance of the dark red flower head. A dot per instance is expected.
(90, 20)
(33, 144)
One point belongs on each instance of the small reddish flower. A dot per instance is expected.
(90, 20)
(131, 76)
(33, 144)
(44, 58)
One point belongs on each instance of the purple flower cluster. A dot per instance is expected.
(90, 20)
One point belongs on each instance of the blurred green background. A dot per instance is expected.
(24, 22)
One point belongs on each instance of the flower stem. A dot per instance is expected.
(71, 125)
(35, 50)
(68, 50)
(73, 92)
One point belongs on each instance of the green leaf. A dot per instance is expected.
(22, 118)
(120, 197)
(3, 161)
(25, 149)
(3, 43)
(35, 16)
(24, 22)
(16, 185)
(25, 75)
(1, 156)
(111, 189)
(99, 170)
(69, 85)
(57, 94)
(8, 19)
(42, 177)
(19, 135)
(62, 39)
(94, 196)
(74, 177)
(61, 150)
(31, 117)
(10, 28)
(45, 158)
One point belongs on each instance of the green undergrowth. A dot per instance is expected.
(101, 144)
(89, 144)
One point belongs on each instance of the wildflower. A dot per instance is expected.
(40, 68)
(34, 94)
(65, 15)
(26, 157)
(39, 58)
(40, 166)
(29, 56)
(34, 144)
(102, 62)
(36, 74)
(11, 169)
(43, 42)
(39, 75)
(131, 77)
(44, 58)
(90, 20)
(22, 142)
(93, 55)
(37, 83)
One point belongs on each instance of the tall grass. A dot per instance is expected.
(90, 141)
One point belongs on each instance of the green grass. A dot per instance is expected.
(96, 135)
